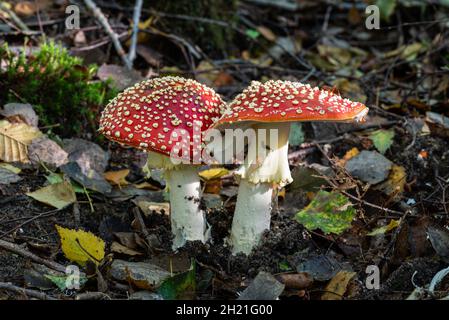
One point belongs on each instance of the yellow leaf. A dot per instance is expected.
(14, 140)
(142, 36)
(393, 224)
(348, 155)
(117, 177)
(9, 167)
(336, 288)
(394, 185)
(80, 246)
(146, 185)
(58, 195)
(214, 173)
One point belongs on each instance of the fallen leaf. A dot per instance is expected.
(214, 173)
(331, 212)
(382, 139)
(62, 282)
(348, 156)
(117, 177)
(80, 246)
(180, 286)
(336, 288)
(381, 230)
(299, 280)
(57, 195)
(146, 185)
(119, 248)
(266, 33)
(394, 185)
(14, 140)
(386, 8)
(10, 167)
(150, 207)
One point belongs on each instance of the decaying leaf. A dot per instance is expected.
(381, 230)
(336, 288)
(62, 282)
(10, 167)
(394, 185)
(214, 173)
(119, 248)
(382, 139)
(14, 139)
(331, 212)
(149, 207)
(58, 195)
(80, 246)
(117, 177)
(180, 286)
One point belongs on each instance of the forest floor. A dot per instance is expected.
(392, 169)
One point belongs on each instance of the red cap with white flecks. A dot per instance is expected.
(285, 101)
(149, 114)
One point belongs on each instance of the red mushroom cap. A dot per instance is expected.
(145, 115)
(285, 101)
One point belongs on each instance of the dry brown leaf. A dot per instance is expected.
(148, 207)
(119, 248)
(117, 177)
(336, 288)
(266, 33)
(14, 140)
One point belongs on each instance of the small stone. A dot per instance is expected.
(369, 166)
(263, 287)
(45, 150)
(142, 274)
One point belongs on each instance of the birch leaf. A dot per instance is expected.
(14, 140)
(57, 195)
(81, 246)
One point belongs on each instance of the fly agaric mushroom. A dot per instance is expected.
(274, 105)
(159, 116)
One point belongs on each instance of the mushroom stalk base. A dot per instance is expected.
(252, 215)
(188, 221)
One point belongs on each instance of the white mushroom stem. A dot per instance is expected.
(188, 221)
(259, 177)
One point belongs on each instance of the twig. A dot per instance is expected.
(136, 19)
(14, 17)
(41, 215)
(92, 296)
(27, 254)
(26, 292)
(107, 27)
(143, 229)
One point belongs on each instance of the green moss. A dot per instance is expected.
(59, 87)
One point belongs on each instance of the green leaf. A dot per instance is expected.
(58, 195)
(386, 8)
(393, 224)
(253, 34)
(382, 139)
(54, 178)
(181, 286)
(331, 212)
(284, 266)
(62, 282)
(296, 135)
